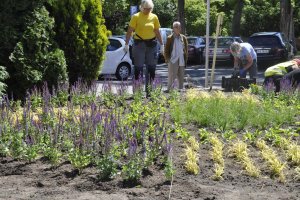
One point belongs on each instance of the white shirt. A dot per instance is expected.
(177, 52)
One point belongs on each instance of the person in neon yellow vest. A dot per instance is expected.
(276, 73)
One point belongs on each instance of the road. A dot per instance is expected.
(196, 74)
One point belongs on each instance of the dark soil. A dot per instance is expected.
(37, 180)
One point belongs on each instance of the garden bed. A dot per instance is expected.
(44, 177)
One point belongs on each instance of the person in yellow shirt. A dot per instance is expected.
(145, 26)
(285, 70)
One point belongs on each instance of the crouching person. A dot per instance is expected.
(288, 70)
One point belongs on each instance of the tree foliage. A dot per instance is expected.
(260, 16)
(3, 76)
(81, 33)
(116, 21)
(36, 58)
(196, 17)
(12, 25)
(166, 10)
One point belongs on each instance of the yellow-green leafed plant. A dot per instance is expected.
(219, 171)
(217, 156)
(274, 164)
(250, 168)
(284, 143)
(293, 154)
(193, 143)
(217, 152)
(297, 176)
(191, 163)
(240, 151)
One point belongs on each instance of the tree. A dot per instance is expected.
(166, 11)
(115, 21)
(3, 76)
(237, 16)
(257, 17)
(81, 33)
(286, 19)
(195, 12)
(181, 17)
(36, 58)
(13, 15)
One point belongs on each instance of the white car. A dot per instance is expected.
(117, 61)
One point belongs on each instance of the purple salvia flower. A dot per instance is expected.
(122, 88)
(93, 87)
(137, 84)
(107, 86)
(29, 140)
(118, 136)
(132, 147)
(285, 85)
(157, 83)
(269, 86)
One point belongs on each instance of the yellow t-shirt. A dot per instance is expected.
(144, 25)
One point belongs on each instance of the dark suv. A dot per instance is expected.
(271, 47)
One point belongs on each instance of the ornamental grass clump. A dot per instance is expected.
(240, 151)
(293, 154)
(191, 156)
(217, 156)
(275, 165)
(297, 176)
(223, 111)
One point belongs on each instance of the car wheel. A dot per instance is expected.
(123, 71)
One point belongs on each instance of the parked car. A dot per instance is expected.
(196, 46)
(271, 47)
(164, 32)
(117, 61)
(223, 52)
(130, 43)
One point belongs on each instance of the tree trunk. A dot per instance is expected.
(237, 15)
(286, 20)
(181, 15)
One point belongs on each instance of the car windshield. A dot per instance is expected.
(192, 41)
(266, 40)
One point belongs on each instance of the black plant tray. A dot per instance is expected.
(236, 84)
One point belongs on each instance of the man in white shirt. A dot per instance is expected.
(176, 51)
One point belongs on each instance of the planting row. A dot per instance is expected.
(268, 145)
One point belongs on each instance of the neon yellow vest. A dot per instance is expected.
(279, 69)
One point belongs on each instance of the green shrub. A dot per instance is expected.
(12, 25)
(82, 35)
(36, 58)
(3, 76)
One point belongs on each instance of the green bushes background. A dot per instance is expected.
(51, 41)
